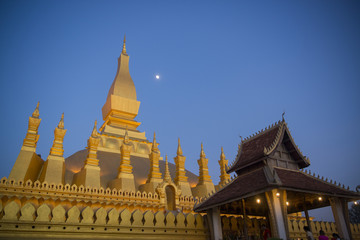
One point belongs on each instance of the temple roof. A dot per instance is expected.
(255, 148)
(258, 181)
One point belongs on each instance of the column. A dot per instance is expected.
(341, 215)
(276, 200)
(214, 219)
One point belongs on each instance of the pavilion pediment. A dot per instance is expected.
(274, 142)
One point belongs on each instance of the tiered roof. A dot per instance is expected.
(261, 178)
(262, 144)
(257, 181)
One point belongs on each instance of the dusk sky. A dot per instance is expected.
(227, 69)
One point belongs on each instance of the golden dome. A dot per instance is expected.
(109, 164)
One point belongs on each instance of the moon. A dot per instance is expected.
(157, 76)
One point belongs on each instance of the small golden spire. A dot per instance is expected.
(61, 123)
(179, 150)
(124, 46)
(167, 176)
(36, 113)
(154, 144)
(222, 155)
(126, 137)
(202, 153)
(94, 132)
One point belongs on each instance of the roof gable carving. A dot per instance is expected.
(263, 144)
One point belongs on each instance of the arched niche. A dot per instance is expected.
(170, 197)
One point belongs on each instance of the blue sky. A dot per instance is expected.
(228, 68)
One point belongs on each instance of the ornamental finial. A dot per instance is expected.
(126, 137)
(282, 116)
(94, 132)
(202, 153)
(179, 150)
(124, 46)
(36, 113)
(61, 123)
(222, 155)
(154, 144)
(167, 176)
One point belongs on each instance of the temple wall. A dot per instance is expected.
(42, 211)
(31, 222)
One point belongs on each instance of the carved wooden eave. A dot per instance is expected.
(233, 165)
(261, 180)
(278, 139)
(302, 160)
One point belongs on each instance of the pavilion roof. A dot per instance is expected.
(259, 181)
(262, 144)
(301, 181)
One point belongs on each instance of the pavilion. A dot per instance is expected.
(270, 182)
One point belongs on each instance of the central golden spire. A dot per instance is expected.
(121, 105)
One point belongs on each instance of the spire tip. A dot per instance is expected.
(124, 46)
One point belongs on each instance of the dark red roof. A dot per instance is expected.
(254, 182)
(253, 149)
(301, 181)
(243, 185)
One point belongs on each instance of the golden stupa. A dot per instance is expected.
(120, 179)
(120, 187)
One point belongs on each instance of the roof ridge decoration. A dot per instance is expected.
(297, 147)
(237, 155)
(268, 150)
(272, 147)
(251, 137)
(262, 131)
(313, 175)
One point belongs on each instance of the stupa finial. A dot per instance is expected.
(179, 150)
(124, 46)
(222, 155)
(126, 137)
(94, 132)
(61, 123)
(202, 153)
(167, 177)
(154, 144)
(36, 113)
